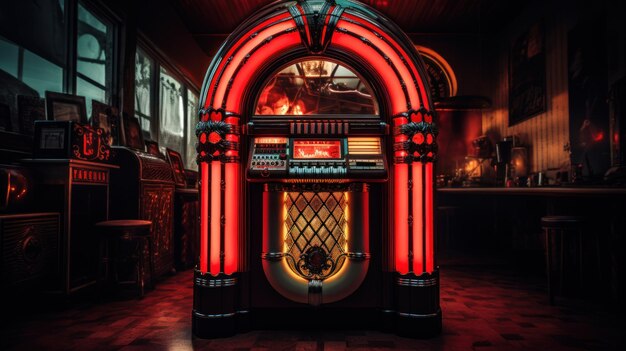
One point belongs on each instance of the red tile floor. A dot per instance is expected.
(485, 307)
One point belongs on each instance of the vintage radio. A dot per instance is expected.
(30, 249)
(68, 139)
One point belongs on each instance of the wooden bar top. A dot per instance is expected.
(538, 191)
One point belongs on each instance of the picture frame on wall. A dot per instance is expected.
(29, 110)
(102, 117)
(527, 75)
(66, 107)
(131, 131)
(152, 147)
(176, 162)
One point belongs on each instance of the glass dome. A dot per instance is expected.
(316, 87)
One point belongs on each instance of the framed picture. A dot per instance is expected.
(69, 140)
(176, 162)
(152, 147)
(66, 107)
(101, 117)
(527, 75)
(132, 136)
(29, 110)
(589, 112)
(5, 118)
(52, 139)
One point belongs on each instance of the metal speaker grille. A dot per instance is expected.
(314, 221)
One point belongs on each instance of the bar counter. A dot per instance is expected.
(508, 221)
(548, 190)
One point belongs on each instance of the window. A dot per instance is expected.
(33, 44)
(171, 112)
(144, 67)
(30, 73)
(166, 105)
(192, 120)
(94, 48)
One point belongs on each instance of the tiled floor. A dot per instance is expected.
(484, 308)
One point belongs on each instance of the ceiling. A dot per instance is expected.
(210, 21)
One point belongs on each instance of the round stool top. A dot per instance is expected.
(124, 223)
(561, 221)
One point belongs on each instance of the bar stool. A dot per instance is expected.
(124, 241)
(447, 214)
(558, 228)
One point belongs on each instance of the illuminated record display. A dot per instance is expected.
(316, 149)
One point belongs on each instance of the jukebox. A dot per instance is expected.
(316, 144)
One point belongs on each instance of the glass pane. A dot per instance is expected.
(311, 87)
(91, 92)
(41, 74)
(192, 120)
(31, 77)
(8, 57)
(93, 64)
(145, 126)
(38, 26)
(143, 83)
(171, 112)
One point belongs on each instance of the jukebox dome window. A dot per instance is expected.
(316, 87)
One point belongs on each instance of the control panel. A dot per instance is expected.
(309, 158)
(268, 156)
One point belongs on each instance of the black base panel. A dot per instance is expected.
(423, 327)
(209, 328)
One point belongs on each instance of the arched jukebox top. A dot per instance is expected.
(383, 78)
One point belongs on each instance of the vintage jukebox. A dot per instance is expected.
(316, 144)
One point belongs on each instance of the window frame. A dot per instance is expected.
(109, 17)
(160, 60)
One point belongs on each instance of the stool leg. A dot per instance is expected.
(581, 261)
(448, 239)
(548, 265)
(140, 267)
(562, 265)
(598, 262)
(150, 263)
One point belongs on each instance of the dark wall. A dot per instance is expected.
(463, 53)
(159, 22)
(168, 32)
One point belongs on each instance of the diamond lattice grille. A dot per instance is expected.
(315, 219)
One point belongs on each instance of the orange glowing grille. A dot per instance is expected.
(315, 220)
(364, 146)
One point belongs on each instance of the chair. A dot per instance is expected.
(124, 242)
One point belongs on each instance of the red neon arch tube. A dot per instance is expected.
(260, 56)
(418, 218)
(430, 247)
(401, 216)
(231, 225)
(388, 50)
(204, 217)
(223, 61)
(240, 55)
(356, 47)
(418, 77)
(214, 250)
